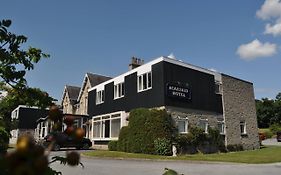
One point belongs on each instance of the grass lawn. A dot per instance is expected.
(264, 155)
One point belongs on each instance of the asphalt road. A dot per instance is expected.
(98, 166)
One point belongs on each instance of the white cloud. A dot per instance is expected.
(270, 9)
(256, 49)
(275, 29)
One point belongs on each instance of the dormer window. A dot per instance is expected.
(144, 81)
(100, 97)
(218, 88)
(119, 90)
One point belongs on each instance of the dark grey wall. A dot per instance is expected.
(132, 99)
(28, 117)
(201, 84)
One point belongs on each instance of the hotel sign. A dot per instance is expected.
(178, 91)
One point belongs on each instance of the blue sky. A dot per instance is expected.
(240, 38)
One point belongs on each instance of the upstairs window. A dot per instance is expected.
(119, 90)
(144, 81)
(100, 97)
(218, 89)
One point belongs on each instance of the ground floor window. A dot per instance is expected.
(221, 127)
(182, 124)
(107, 126)
(203, 124)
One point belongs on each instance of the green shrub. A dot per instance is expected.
(4, 140)
(122, 144)
(163, 146)
(268, 134)
(145, 126)
(196, 140)
(185, 144)
(274, 128)
(112, 145)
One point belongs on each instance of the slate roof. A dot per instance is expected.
(73, 92)
(96, 79)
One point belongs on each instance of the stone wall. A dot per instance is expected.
(239, 106)
(194, 116)
(83, 102)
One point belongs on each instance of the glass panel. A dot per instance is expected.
(115, 115)
(123, 89)
(115, 91)
(119, 90)
(149, 80)
(115, 127)
(106, 117)
(97, 129)
(182, 126)
(144, 81)
(140, 83)
(106, 128)
(102, 96)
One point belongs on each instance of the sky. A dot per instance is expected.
(241, 38)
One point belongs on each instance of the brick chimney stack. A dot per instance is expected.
(135, 62)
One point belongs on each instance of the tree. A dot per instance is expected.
(14, 60)
(269, 111)
(29, 97)
(14, 63)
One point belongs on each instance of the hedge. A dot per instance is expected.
(145, 126)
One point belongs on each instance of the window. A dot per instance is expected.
(221, 127)
(119, 90)
(144, 81)
(218, 89)
(243, 127)
(107, 127)
(100, 97)
(182, 125)
(203, 124)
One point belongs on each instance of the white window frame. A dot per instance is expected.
(117, 92)
(140, 80)
(186, 124)
(100, 97)
(101, 119)
(219, 87)
(206, 125)
(221, 127)
(244, 125)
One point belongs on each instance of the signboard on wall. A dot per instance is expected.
(178, 91)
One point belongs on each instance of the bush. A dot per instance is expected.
(122, 144)
(4, 140)
(163, 146)
(185, 144)
(274, 128)
(196, 140)
(268, 134)
(145, 126)
(112, 145)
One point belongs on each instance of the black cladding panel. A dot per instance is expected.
(201, 85)
(29, 116)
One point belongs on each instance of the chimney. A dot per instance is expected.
(135, 62)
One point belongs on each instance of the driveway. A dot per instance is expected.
(271, 142)
(98, 166)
